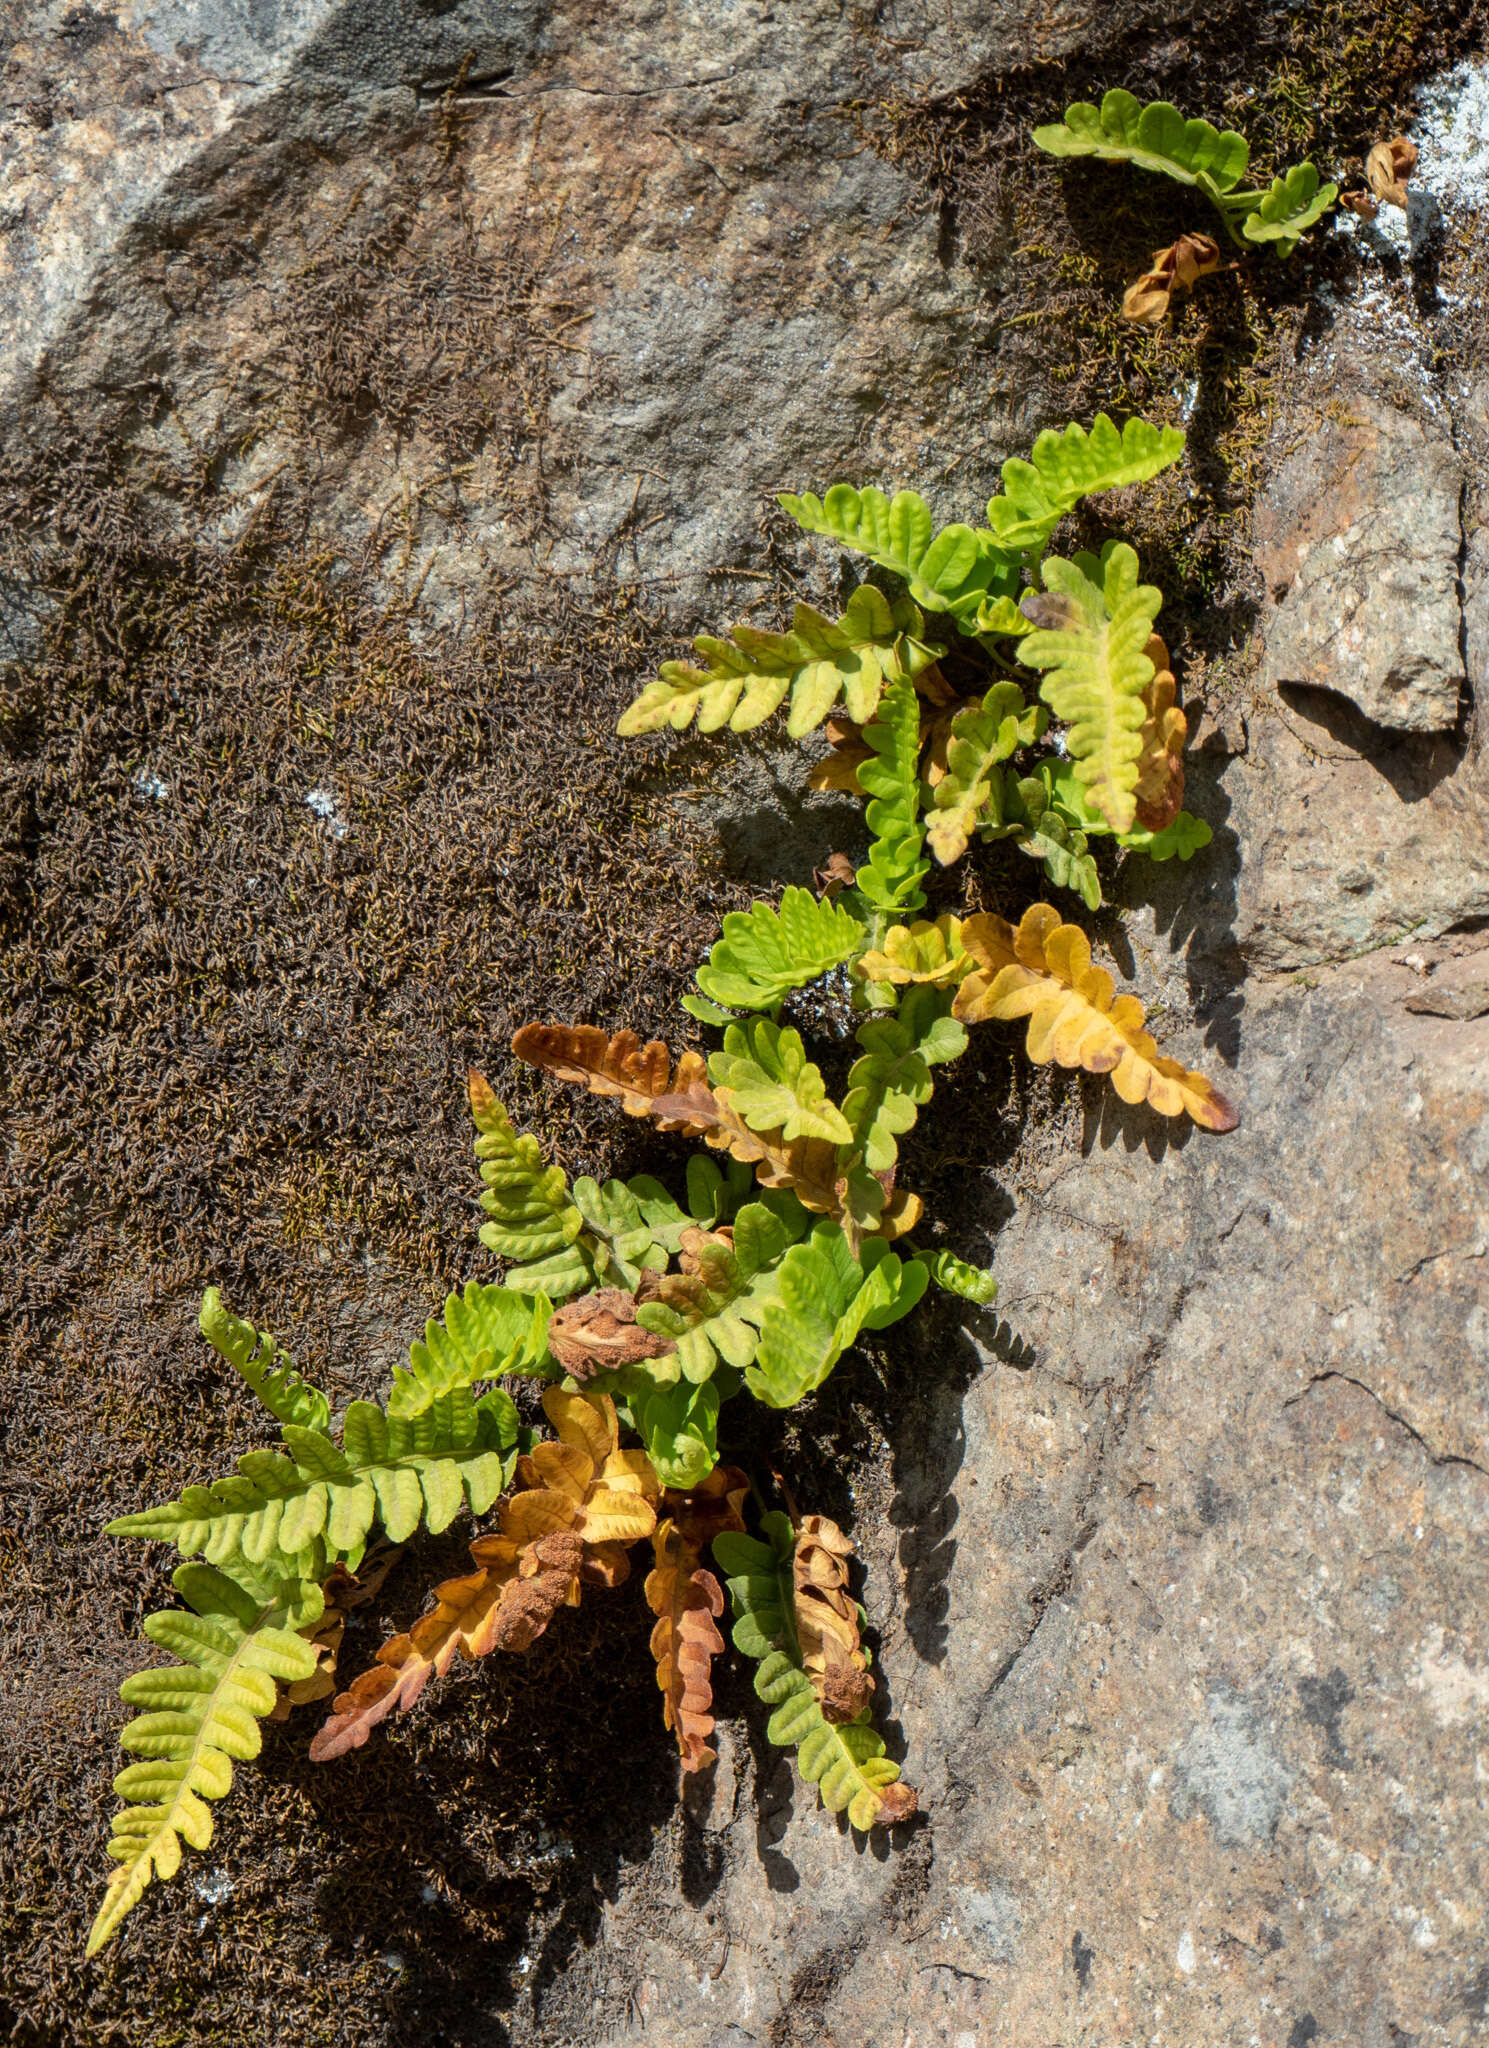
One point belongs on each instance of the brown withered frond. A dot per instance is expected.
(687, 1600)
(1388, 167)
(827, 1620)
(599, 1332)
(711, 1508)
(1178, 268)
(615, 1064)
(1160, 765)
(639, 1075)
(581, 1502)
(343, 1592)
(1043, 971)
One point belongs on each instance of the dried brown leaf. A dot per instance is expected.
(687, 1600)
(711, 1508)
(1178, 268)
(1160, 765)
(832, 880)
(693, 1249)
(827, 1619)
(599, 1332)
(343, 1592)
(615, 1064)
(581, 1501)
(1388, 167)
(839, 769)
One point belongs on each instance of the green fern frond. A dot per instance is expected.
(823, 1298)
(1155, 138)
(999, 619)
(487, 1331)
(1158, 138)
(971, 1283)
(1091, 630)
(981, 737)
(765, 953)
(890, 878)
(713, 1315)
(1069, 464)
(202, 1715)
(953, 571)
(620, 1241)
(1179, 840)
(1288, 208)
(845, 1760)
(893, 1078)
(766, 1075)
(264, 1364)
(716, 1194)
(528, 1201)
(759, 1575)
(678, 1425)
(402, 1470)
(750, 675)
(1035, 811)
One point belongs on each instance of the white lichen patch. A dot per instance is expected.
(1452, 134)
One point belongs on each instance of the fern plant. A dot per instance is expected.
(642, 1311)
(1158, 138)
(940, 768)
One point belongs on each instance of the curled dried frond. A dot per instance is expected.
(343, 1593)
(1178, 268)
(599, 1333)
(845, 1759)
(1160, 765)
(1388, 167)
(687, 1600)
(1043, 971)
(711, 1508)
(581, 1501)
(827, 1620)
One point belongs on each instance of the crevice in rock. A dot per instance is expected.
(1057, 1580)
(1435, 1457)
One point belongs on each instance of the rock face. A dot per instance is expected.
(1179, 1561)
(1200, 1719)
(1360, 543)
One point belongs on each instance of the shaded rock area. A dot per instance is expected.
(388, 386)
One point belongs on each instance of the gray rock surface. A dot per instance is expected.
(1201, 1739)
(1182, 1611)
(1359, 540)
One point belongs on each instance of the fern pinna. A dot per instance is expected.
(1213, 162)
(641, 1310)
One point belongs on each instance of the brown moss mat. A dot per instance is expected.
(274, 876)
